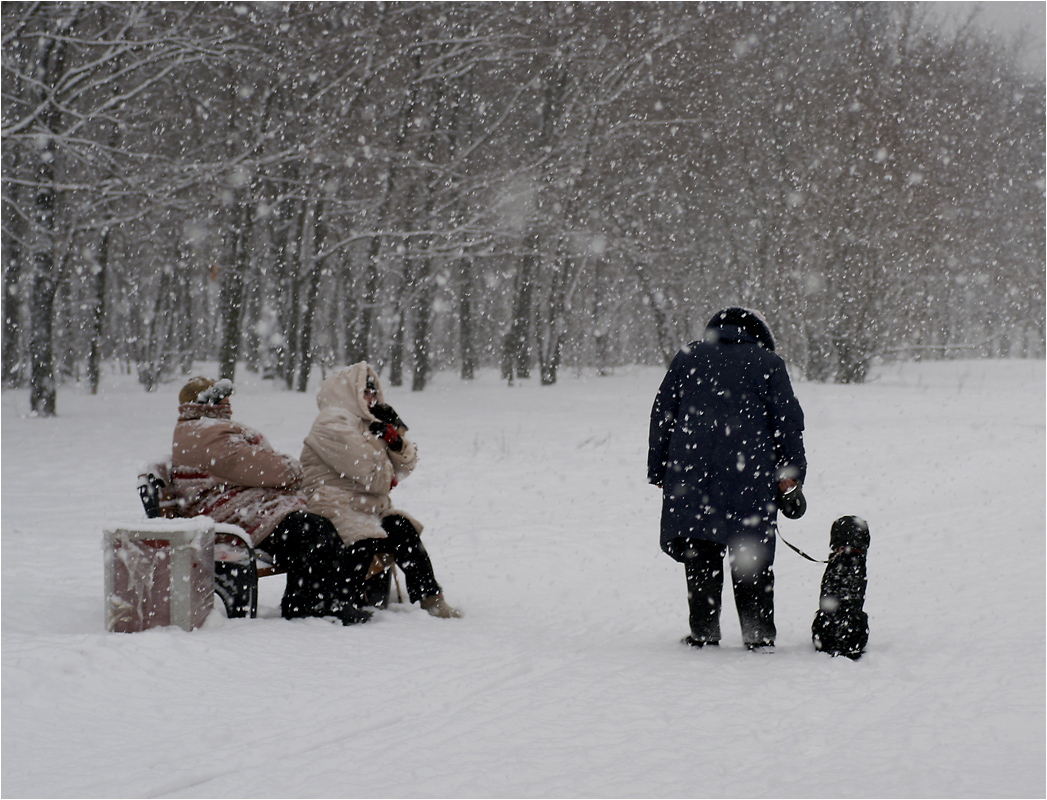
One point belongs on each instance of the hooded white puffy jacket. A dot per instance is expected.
(349, 471)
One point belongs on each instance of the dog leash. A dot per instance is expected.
(801, 552)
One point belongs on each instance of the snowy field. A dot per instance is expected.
(566, 677)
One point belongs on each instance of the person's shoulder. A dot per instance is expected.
(692, 350)
(336, 416)
(772, 357)
(210, 425)
(771, 364)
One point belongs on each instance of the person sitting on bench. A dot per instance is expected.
(230, 472)
(354, 455)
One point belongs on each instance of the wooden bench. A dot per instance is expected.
(238, 564)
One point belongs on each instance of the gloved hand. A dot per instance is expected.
(791, 502)
(388, 432)
(385, 413)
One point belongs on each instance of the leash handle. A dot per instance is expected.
(801, 552)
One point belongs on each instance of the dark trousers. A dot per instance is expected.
(320, 573)
(752, 576)
(405, 545)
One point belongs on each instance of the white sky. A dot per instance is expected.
(1010, 19)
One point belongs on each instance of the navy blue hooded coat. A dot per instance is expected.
(725, 428)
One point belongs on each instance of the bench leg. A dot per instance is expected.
(237, 585)
(381, 589)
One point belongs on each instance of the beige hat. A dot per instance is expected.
(193, 387)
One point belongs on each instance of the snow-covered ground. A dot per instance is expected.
(566, 676)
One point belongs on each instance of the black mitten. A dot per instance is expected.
(385, 413)
(792, 503)
(388, 431)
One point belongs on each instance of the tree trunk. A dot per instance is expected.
(601, 324)
(466, 324)
(517, 344)
(551, 337)
(48, 66)
(187, 330)
(351, 311)
(423, 313)
(311, 291)
(42, 391)
(98, 284)
(231, 297)
(666, 346)
(396, 352)
(288, 258)
(360, 335)
(155, 352)
(13, 255)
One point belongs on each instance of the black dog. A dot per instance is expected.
(841, 627)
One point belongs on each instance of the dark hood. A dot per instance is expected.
(731, 322)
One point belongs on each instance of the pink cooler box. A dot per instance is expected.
(159, 573)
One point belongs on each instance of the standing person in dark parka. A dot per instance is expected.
(726, 437)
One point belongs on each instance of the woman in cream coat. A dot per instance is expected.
(354, 455)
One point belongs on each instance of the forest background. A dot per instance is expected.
(534, 187)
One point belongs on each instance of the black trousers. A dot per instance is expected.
(320, 572)
(752, 576)
(405, 545)
(323, 573)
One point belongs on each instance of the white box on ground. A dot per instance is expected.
(159, 572)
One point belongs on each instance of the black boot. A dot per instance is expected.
(351, 615)
(752, 574)
(690, 641)
(296, 605)
(704, 572)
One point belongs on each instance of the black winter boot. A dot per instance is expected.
(296, 605)
(351, 615)
(704, 573)
(690, 641)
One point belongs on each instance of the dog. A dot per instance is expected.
(841, 626)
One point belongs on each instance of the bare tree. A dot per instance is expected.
(515, 184)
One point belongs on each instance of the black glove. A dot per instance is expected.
(388, 431)
(385, 413)
(792, 503)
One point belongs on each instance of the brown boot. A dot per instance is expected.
(438, 607)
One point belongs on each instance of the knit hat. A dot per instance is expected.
(752, 322)
(193, 388)
(205, 391)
